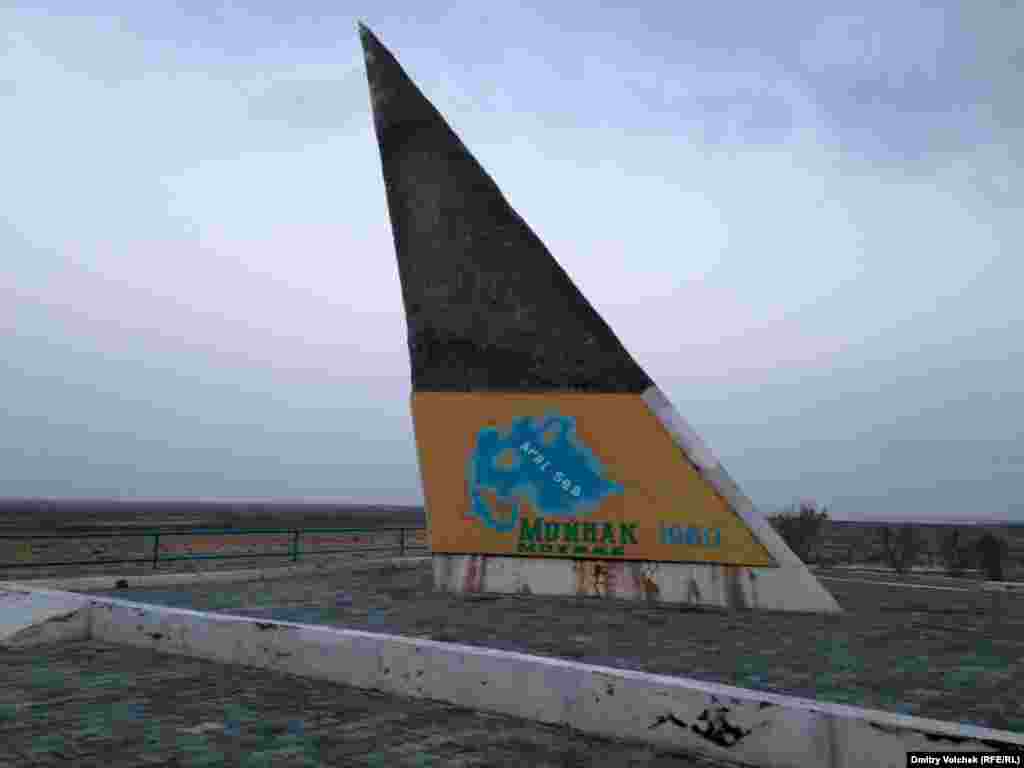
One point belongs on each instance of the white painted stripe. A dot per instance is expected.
(720, 721)
(998, 587)
(898, 584)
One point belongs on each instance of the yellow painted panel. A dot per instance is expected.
(568, 475)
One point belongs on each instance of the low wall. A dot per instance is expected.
(719, 721)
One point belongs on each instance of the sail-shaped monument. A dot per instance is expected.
(551, 462)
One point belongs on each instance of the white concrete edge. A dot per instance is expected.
(988, 587)
(130, 581)
(816, 597)
(932, 573)
(721, 721)
(30, 617)
(1003, 586)
(915, 574)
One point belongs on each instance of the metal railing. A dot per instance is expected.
(404, 543)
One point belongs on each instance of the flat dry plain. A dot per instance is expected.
(953, 654)
(25, 553)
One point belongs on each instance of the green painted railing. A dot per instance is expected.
(405, 541)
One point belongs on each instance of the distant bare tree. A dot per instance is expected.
(801, 528)
(955, 553)
(901, 550)
(991, 552)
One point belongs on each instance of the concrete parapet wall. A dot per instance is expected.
(31, 616)
(720, 721)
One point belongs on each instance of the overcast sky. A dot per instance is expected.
(805, 220)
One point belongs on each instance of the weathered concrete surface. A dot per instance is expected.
(91, 704)
(784, 588)
(487, 306)
(675, 713)
(132, 581)
(30, 617)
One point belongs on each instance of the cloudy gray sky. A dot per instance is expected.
(804, 219)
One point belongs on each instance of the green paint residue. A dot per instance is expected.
(912, 665)
(151, 735)
(105, 680)
(835, 684)
(262, 599)
(980, 662)
(271, 748)
(44, 677)
(240, 713)
(269, 757)
(887, 701)
(750, 672)
(850, 697)
(50, 742)
(222, 600)
(964, 676)
(96, 723)
(838, 654)
(198, 751)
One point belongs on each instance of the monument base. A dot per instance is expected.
(783, 588)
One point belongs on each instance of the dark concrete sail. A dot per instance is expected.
(488, 308)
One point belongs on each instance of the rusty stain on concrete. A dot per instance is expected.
(693, 592)
(475, 576)
(482, 579)
(470, 578)
(735, 596)
(599, 578)
(645, 580)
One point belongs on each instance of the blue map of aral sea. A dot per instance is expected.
(539, 459)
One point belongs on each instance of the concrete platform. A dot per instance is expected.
(90, 704)
(716, 721)
(81, 583)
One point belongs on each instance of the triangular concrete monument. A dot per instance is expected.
(551, 463)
